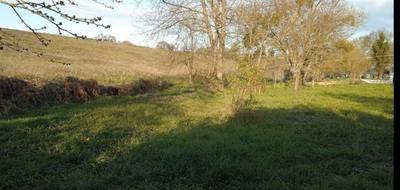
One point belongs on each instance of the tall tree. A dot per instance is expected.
(185, 51)
(351, 59)
(250, 32)
(381, 53)
(301, 29)
(208, 18)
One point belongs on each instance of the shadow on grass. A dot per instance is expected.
(370, 101)
(255, 149)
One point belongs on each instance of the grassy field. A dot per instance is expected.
(327, 137)
(108, 63)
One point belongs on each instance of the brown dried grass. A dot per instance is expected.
(17, 95)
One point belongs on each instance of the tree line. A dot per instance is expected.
(311, 38)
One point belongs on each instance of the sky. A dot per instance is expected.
(126, 25)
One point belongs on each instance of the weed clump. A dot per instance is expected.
(76, 90)
(109, 90)
(11, 87)
(144, 86)
(15, 93)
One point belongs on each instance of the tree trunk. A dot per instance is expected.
(190, 71)
(313, 82)
(297, 80)
(214, 61)
(206, 15)
(356, 76)
(379, 76)
(307, 70)
(191, 78)
(219, 62)
(313, 79)
(304, 78)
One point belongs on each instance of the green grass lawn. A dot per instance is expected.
(332, 137)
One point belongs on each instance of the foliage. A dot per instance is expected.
(381, 53)
(299, 30)
(184, 52)
(208, 19)
(247, 82)
(352, 60)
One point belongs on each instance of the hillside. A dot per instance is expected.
(87, 59)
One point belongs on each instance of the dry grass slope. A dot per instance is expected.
(109, 63)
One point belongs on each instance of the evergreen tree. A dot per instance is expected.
(381, 54)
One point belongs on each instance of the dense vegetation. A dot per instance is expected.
(335, 137)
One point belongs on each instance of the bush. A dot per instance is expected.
(53, 92)
(243, 85)
(18, 92)
(7, 107)
(80, 90)
(109, 90)
(143, 86)
(11, 87)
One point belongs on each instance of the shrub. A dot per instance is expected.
(109, 90)
(53, 91)
(80, 90)
(11, 87)
(7, 107)
(243, 85)
(143, 86)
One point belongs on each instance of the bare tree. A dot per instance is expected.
(208, 18)
(300, 29)
(51, 11)
(184, 52)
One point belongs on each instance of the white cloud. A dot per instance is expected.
(379, 15)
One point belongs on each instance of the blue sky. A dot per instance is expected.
(126, 25)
